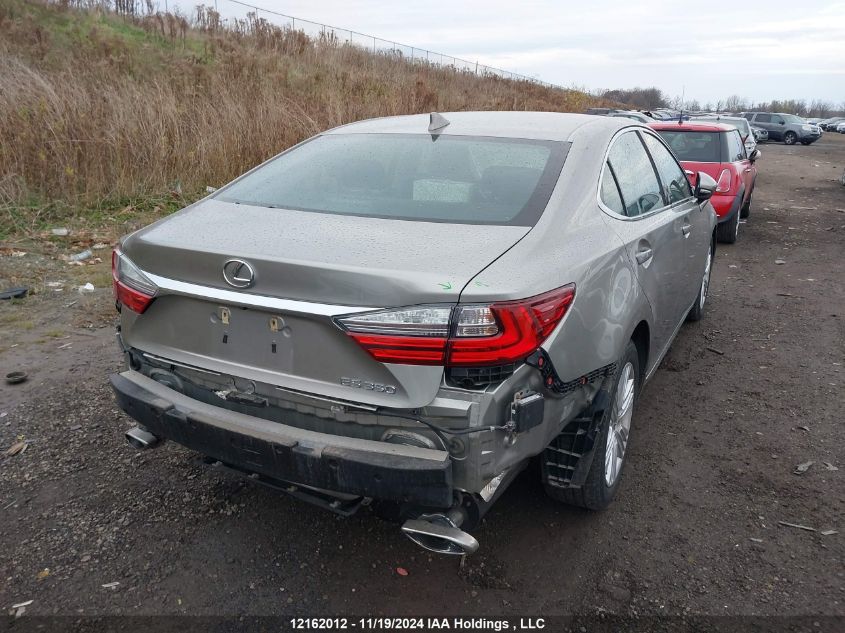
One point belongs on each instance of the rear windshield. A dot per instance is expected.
(699, 147)
(456, 179)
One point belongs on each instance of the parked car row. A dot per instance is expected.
(754, 127)
(833, 124)
(788, 128)
(402, 313)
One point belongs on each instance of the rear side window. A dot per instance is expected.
(736, 150)
(674, 179)
(457, 179)
(635, 175)
(764, 118)
(610, 195)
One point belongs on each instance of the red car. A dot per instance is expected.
(717, 150)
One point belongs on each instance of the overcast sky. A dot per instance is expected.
(760, 50)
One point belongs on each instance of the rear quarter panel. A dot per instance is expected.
(572, 243)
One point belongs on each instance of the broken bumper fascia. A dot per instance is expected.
(350, 465)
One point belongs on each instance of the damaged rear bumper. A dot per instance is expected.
(350, 465)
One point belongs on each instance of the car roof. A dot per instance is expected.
(552, 126)
(718, 117)
(690, 126)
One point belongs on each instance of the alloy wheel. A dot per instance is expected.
(620, 424)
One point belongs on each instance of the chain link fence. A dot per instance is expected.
(235, 9)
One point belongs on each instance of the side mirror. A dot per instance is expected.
(705, 187)
(755, 155)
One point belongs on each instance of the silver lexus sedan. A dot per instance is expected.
(403, 312)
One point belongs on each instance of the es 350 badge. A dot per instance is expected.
(368, 385)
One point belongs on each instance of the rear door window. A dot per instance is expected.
(673, 178)
(763, 118)
(635, 175)
(610, 195)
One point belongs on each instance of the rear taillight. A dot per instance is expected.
(723, 185)
(460, 336)
(132, 288)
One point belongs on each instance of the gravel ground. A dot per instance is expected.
(743, 398)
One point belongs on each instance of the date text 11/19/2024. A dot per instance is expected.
(418, 624)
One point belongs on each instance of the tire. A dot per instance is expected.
(727, 232)
(697, 311)
(790, 138)
(599, 488)
(745, 211)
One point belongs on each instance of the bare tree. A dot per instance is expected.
(735, 103)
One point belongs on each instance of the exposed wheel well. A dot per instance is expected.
(641, 339)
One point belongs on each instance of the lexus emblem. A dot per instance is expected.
(238, 273)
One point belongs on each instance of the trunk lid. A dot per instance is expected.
(338, 263)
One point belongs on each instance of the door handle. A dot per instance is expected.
(686, 229)
(643, 255)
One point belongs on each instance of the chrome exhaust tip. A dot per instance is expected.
(141, 438)
(438, 533)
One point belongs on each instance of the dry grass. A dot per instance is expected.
(100, 111)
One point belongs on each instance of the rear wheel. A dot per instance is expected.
(727, 232)
(790, 137)
(611, 446)
(697, 311)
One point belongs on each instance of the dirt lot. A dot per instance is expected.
(744, 396)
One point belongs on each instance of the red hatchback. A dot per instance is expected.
(718, 151)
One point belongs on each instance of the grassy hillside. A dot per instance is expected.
(98, 110)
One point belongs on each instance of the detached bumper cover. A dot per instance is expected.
(362, 467)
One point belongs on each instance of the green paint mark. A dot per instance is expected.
(481, 284)
(446, 286)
